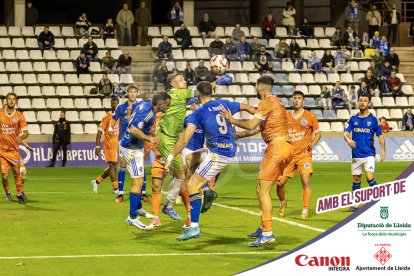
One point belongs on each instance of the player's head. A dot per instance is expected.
(364, 101)
(264, 86)
(62, 115)
(132, 92)
(204, 89)
(298, 98)
(161, 101)
(177, 81)
(11, 100)
(114, 103)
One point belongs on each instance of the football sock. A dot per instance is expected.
(144, 186)
(173, 191)
(121, 179)
(372, 182)
(115, 185)
(281, 193)
(185, 195)
(99, 179)
(134, 202)
(195, 202)
(267, 233)
(205, 187)
(6, 189)
(305, 211)
(306, 197)
(156, 203)
(18, 183)
(356, 186)
(266, 222)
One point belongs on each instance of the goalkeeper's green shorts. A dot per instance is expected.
(165, 147)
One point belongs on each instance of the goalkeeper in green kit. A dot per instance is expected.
(170, 126)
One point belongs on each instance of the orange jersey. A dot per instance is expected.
(272, 112)
(111, 141)
(302, 128)
(11, 127)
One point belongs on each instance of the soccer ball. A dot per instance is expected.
(218, 64)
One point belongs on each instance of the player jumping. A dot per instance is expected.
(363, 127)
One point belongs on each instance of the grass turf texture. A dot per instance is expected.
(63, 217)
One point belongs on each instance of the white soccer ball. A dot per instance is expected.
(219, 64)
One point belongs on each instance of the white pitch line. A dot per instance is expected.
(144, 255)
(273, 218)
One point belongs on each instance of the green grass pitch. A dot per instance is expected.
(64, 218)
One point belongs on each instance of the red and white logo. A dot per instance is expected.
(304, 260)
(383, 255)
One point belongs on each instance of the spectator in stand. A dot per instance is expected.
(282, 54)
(352, 15)
(408, 120)
(118, 90)
(263, 61)
(82, 25)
(375, 69)
(357, 54)
(364, 42)
(160, 75)
(314, 62)
(375, 40)
(393, 19)
(268, 27)
(340, 61)
(328, 62)
(288, 18)
(243, 49)
(294, 50)
(230, 50)
(352, 97)
(105, 86)
(183, 37)
(206, 26)
(201, 72)
(394, 85)
(189, 74)
(176, 15)
(108, 31)
(46, 39)
(371, 83)
(385, 69)
(374, 20)
(393, 59)
(125, 19)
(326, 98)
(237, 34)
(91, 49)
(282, 43)
(377, 57)
(255, 47)
(363, 90)
(143, 20)
(31, 14)
(336, 39)
(384, 46)
(339, 99)
(384, 125)
(216, 47)
(351, 38)
(164, 50)
(82, 64)
(108, 63)
(123, 65)
(305, 28)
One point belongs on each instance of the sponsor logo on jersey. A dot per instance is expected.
(361, 129)
(306, 165)
(404, 152)
(368, 123)
(15, 119)
(304, 122)
(323, 152)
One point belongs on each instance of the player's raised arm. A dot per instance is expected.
(141, 135)
(180, 145)
(251, 124)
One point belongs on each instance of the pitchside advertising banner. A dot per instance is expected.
(376, 240)
(249, 151)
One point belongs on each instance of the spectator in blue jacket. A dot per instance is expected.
(82, 64)
(244, 49)
(230, 50)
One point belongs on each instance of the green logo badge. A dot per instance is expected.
(384, 212)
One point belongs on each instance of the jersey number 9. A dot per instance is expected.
(221, 121)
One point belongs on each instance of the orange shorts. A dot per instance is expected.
(157, 170)
(277, 156)
(9, 159)
(302, 164)
(111, 155)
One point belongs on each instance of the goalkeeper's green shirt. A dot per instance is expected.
(172, 120)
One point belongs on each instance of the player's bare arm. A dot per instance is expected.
(382, 145)
(26, 145)
(351, 143)
(247, 133)
(98, 143)
(251, 124)
(23, 136)
(180, 145)
(141, 135)
(111, 126)
(248, 108)
(316, 139)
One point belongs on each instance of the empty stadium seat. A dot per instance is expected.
(58, 79)
(219, 31)
(22, 54)
(44, 116)
(63, 54)
(98, 115)
(20, 91)
(288, 90)
(401, 101)
(67, 103)
(48, 91)
(324, 126)
(382, 113)
(43, 79)
(329, 31)
(47, 129)
(35, 54)
(71, 116)
(153, 31)
(396, 113)
(76, 128)
(4, 79)
(407, 89)
(376, 101)
(24, 103)
(17, 79)
(111, 43)
(256, 31)
(53, 104)
(388, 101)
(71, 79)
(18, 43)
(318, 114)
(281, 32)
(12, 66)
(26, 66)
(166, 31)
(302, 88)
(34, 91)
(337, 126)
(234, 90)
(177, 54)
(91, 128)
(276, 90)
(59, 43)
(27, 31)
(248, 90)
(329, 114)
(254, 102)
(38, 103)
(67, 31)
(221, 89)
(394, 126)
(86, 116)
(33, 129)
(310, 102)
(81, 103)
(248, 66)
(76, 91)
(241, 78)
(53, 66)
(293, 77)
(95, 103)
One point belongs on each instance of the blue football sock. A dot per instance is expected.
(121, 179)
(356, 186)
(144, 186)
(134, 201)
(195, 203)
(372, 182)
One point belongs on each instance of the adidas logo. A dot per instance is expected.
(323, 152)
(404, 152)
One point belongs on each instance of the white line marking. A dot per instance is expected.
(144, 255)
(273, 218)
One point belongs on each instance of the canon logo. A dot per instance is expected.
(304, 260)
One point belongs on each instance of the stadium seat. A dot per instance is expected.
(81, 103)
(256, 31)
(18, 43)
(17, 79)
(35, 55)
(55, 30)
(281, 77)
(4, 79)
(337, 126)
(302, 88)
(329, 114)
(254, 102)
(190, 54)
(27, 31)
(235, 66)
(388, 101)
(98, 115)
(5, 89)
(20, 91)
(193, 30)
(401, 101)
(285, 102)
(363, 65)
(76, 91)
(358, 76)
(248, 66)
(111, 43)
(14, 31)
(71, 116)
(329, 31)
(394, 126)
(293, 77)
(60, 43)
(38, 103)
(333, 78)
(253, 77)
(318, 114)
(53, 66)
(324, 126)
(43, 79)
(382, 113)
(376, 101)
(407, 89)
(77, 128)
(321, 78)
(288, 65)
(33, 128)
(288, 90)
(281, 32)
(345, 77)
(85, 79)
(34, 91)
(153, 31)
(22, 54)
(58, 79)
(219, 31)
(241, 78)
(26, 66)
(2, 68)
(318, 32)
(91, 128)
(53, 103)
(67, 31)
(95, 103)
(234, 90)
(24, 103)
(63, 54)
(71, 79)
(67, 103)
(48, 91)
(228, 31)
(55, 115)
(12, 66)
(5, 42)
(248, 90)
(396, 113)
(71, 43)
(47, 129)
(166, 31)
(276, 90)
(309, 102)
(44, 116)
(197, 42)
(202, 54)
(177, 54)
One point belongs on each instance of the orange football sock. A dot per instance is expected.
(19, 184)
(156, 204)
(6, 189)
(266, 222)
(306, 197)
(115, 185)
(99, 179)
(281, 193)
(185, 195)
(211, 183)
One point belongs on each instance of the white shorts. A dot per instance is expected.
(186, 152)
(212, 165)
(134, 160)
(368, 163)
